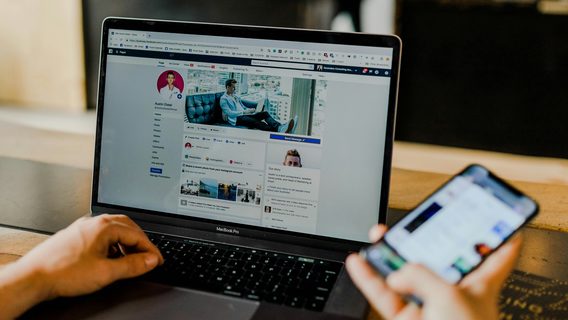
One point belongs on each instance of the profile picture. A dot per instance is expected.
(267, 209)
(188, 145)
(170, 85)
(292, 159)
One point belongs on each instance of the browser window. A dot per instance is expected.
(278, 134)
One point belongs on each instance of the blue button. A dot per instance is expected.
(155, 170)
(295, 139)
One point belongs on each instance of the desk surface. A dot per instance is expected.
(417, 171)
(42, 197)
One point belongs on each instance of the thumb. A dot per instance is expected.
(133, 265)
(417, 280)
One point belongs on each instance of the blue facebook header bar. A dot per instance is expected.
(295, 139)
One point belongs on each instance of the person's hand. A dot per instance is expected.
(250, 110)
(78, 260)
(86, 256)
(475, 297)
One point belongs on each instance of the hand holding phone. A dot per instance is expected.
(475, 297)
(456, 228)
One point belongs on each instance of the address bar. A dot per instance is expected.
(291, 65)
(183, 43)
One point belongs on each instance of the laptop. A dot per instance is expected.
(252, 222)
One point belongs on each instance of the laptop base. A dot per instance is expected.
(144, 300)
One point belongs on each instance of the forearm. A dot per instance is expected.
(250, 103)
(232, 113)
(21, 288)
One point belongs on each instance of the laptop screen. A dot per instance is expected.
(275, 134)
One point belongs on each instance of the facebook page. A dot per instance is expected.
(282, 135)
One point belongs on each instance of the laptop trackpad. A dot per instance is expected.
(144, 300)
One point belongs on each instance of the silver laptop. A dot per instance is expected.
(253, 210)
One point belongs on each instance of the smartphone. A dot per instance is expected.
(456, 227)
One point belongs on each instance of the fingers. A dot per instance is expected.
(125, 220)
(114, 232)
(132, 265)
(493, 272)
(377, 232)
(417, 280)
(373, 287)
(410, 312)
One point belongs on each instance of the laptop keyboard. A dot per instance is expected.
(274, 277)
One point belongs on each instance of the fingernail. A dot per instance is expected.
(151, 261)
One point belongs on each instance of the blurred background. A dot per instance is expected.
(480, 74)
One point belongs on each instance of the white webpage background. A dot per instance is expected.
(352, 161)
(130, 94)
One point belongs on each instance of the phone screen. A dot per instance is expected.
(455, 228)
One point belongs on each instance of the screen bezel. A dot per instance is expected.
(265, 33)
(493, 177)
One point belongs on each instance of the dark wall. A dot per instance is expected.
(485, 76)
(288, 13)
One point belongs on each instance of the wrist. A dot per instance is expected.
(22, 287)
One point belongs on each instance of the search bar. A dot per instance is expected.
(290, 65)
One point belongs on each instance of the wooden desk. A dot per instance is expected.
(418, 170)
(409, 187)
